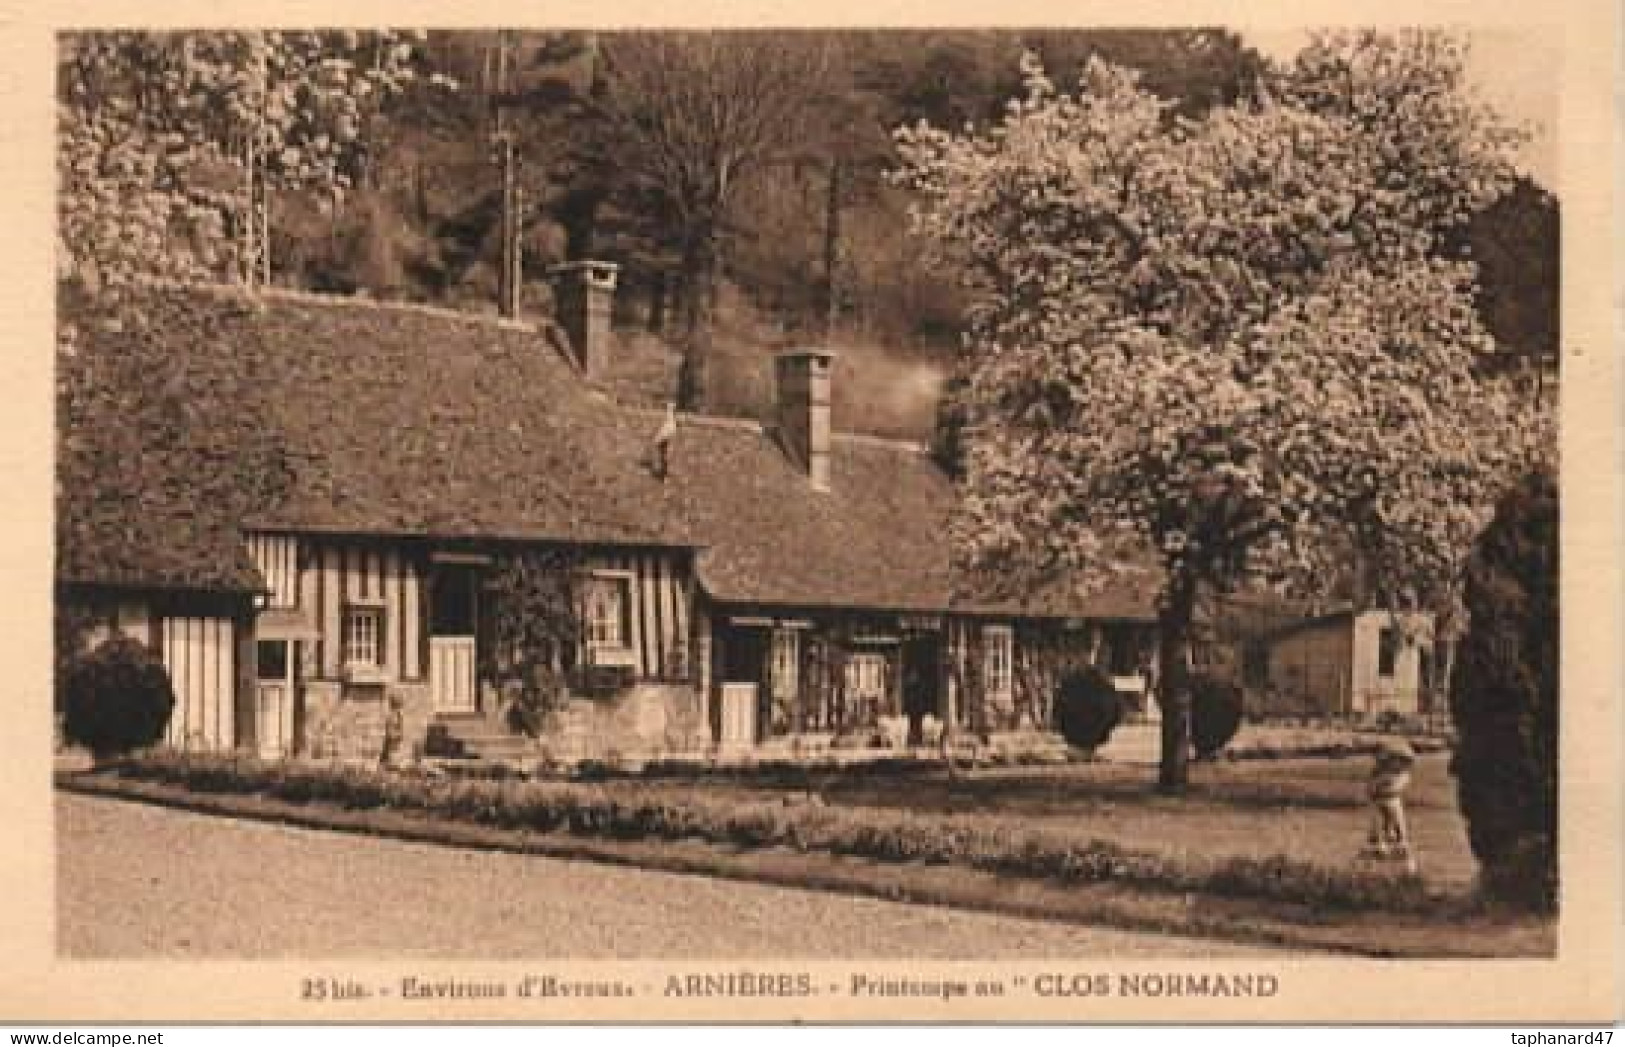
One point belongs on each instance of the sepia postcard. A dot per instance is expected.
(762, 514)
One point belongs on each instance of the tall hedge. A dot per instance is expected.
(1504, 698)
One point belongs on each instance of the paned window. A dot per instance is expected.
(363, 635)
(607, 606)
(998, 661)
(866, 675)
(786, 662)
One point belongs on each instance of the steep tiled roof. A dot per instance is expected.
(877, 538)
(399, 420)
(151, 479)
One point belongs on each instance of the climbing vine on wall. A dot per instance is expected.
(1043, 656)
(533, 628)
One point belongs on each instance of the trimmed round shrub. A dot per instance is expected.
(1087, 708)
(1503, 699)
(1216, 708)
(116, 699)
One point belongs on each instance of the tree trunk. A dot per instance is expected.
(657, 302)
(1174, 654)
(1443, 669)
(699, 296)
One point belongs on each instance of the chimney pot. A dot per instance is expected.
(803, 379)
(585, 293)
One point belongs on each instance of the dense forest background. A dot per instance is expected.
(740, 180)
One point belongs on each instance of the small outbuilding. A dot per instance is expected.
(1347, 663)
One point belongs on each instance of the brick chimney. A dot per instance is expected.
(584, 292)
(803, 387)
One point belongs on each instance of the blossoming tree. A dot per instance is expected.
(168, 143)
(1236, 339)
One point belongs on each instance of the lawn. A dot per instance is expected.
(1311, 809)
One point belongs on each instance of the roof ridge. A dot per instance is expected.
(895, 443)
(753, 425)
(238, 291)
(710, 421)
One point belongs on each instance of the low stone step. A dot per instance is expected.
(499, 752)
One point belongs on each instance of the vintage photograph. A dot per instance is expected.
(911, 494)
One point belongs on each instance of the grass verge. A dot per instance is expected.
(890, 836)
(1102, 904)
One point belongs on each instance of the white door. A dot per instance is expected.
(738, 714)
(274, 697)
(451, 673)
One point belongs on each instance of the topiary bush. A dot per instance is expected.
(1503, 699)
(1216, 708)
(1087, 708)
(115, 699)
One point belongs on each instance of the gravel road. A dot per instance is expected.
(142, 881)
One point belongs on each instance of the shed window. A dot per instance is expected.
(1387, 651)
(998, 660)
(363, 635)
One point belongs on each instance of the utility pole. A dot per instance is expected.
(510, 274)
(255, 265)
(832, 249)
(259, 222)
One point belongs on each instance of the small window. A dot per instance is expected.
(1123, 656)
(998, 660)
(1387, 651)
(273, 659)
(607, 604)
(363, 635)
(786, 663)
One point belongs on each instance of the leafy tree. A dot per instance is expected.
(688, 119)
(1504, 698)
(169, 142)
(1232, 337)
(1517, 244)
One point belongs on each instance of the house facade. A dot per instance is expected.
(1351, 664)
(318, 538)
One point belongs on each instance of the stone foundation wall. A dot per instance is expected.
(649, 720)
(346, 721)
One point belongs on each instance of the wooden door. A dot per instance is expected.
(451, 673)
(274, 699)
(453, 618)
(738, 714)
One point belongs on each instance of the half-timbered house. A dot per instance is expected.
(299, 501)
